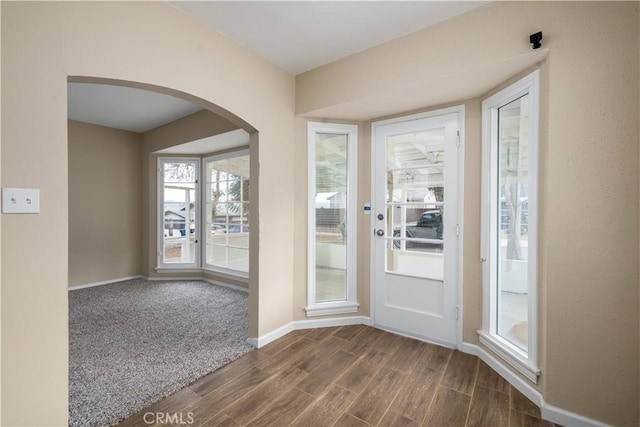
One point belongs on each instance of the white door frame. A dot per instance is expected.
(460, 110)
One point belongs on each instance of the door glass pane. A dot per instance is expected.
(179, 212)
(415, 203)
(513, 176)
(331, 205)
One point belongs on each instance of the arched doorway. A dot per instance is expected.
(160, 141)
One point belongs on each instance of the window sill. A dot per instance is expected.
(513, 357)
(323, 309)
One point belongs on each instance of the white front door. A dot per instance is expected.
(416, 224)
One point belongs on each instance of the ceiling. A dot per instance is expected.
(126, 108)
(224, 141)
(301, 35)
(294, 35)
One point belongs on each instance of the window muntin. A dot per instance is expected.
(222, 219)
(226, 206)
(415, 205)
(332, 219)
(509, 232)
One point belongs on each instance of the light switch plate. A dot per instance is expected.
(20, 200)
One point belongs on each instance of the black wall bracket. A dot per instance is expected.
(535, 39)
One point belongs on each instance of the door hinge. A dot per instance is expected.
(457, 313)
(457, 230)
(458, 139)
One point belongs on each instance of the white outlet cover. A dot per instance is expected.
(20, 200)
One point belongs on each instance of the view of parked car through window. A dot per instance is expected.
(428, 226)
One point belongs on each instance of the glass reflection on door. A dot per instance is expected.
(415, 203)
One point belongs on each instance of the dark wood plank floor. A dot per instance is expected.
(347, 376)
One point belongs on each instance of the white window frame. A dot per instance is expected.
(206, 266)
(524, 362)
(161, 265)
(350, 304)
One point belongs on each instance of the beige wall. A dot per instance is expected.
(190, 128)
(590, 275)
(472, 267)
(105, 194)
(147, 42)
(589, 161)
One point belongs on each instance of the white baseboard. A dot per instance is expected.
(226, 285)
(531, 393)
(565, 418)
(197, 279)
(271, 336)
(328, 323)
(548, 412)
(307, 324)
(174, 279)
(105, 282)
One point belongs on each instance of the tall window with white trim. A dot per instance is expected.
(208, 235)
(178, 215)
(509, 244)
(226, 205)
(332, 219)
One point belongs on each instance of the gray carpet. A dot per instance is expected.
(133, 343)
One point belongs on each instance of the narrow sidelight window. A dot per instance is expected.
(509, 246)
(332, 219)
(178, 212)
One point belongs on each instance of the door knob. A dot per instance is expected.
(380, 232)
(380, 217)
